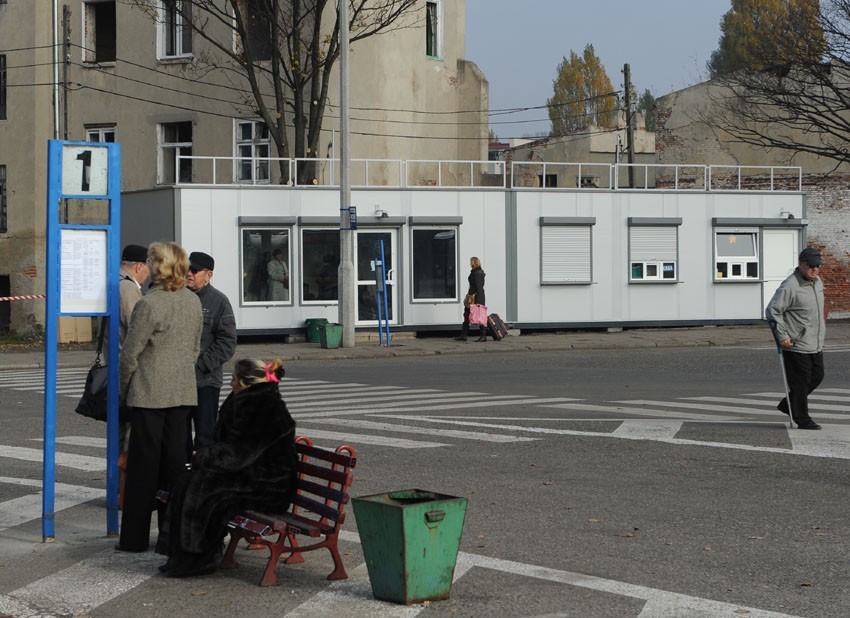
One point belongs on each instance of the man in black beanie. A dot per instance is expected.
(218, 345)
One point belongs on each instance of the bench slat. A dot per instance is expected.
(319, 508)
(340, 477)
(328, 493)
(315, 452)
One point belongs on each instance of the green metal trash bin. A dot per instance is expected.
(331, 335)
(314, 326)
(410, 541)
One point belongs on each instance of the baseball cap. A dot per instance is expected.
(810, 256)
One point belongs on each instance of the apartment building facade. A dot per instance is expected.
(107, 71)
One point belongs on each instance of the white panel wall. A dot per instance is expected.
(208, 221)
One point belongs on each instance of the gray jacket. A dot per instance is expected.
(156, 369)
(797, 311)
(218, 339)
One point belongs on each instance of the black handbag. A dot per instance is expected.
(93, 402)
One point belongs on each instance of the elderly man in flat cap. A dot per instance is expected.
(798, 320)
(134, 273)
(218, 345)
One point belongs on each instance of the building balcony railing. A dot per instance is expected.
(425, 174)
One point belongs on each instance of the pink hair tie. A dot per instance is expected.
(270, 375)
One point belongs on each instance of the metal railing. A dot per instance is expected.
(466, 174)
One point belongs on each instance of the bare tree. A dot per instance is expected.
(798, 104)
(284, 50)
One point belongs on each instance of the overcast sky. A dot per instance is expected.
(518, 44)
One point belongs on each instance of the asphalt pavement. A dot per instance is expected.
(403, 344)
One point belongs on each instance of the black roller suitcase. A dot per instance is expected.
(496, 327)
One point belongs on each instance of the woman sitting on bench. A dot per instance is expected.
(250, 466)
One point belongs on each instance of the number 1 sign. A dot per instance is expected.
(85, 170)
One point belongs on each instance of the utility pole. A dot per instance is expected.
(346, 239)
(630, 124)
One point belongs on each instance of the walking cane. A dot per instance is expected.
(784, 378)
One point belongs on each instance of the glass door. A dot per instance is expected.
(367, 249)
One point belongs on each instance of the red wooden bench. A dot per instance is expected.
(317, 512)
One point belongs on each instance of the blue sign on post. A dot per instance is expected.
(82, 280)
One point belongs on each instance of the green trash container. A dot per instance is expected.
(331, 335)
(410, 541)
(314, 326)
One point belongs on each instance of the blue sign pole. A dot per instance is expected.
(91, 171)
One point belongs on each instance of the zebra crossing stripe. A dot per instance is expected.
(587, 407)
(430, 431)
(648, 429)
(460, 398)
(812, 405)
(465, 405)
(27, 508)
(82, 587)
(67, 460)
(354, 438)
(411, 393)
(699, 406)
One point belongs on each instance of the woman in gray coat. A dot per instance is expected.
(157, 380)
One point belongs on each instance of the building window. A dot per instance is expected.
(265, 265)
(736, 255)
(2, 87)
(258, 30)
(175, 138)
(99, 31)
(4, 224)
(105, 134)
(252, 151)
(435, 263)
(319, 265)
(653, 252)
(175, 29)
(433, 22)
(547, 180)
(565, 252)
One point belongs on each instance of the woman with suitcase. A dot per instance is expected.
(475, 296)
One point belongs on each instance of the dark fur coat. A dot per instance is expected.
(250, 466)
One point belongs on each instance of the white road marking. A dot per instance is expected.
(68, 460)
(460, 398)
(82, 587)
(834, 442)
(700, 406)
(356, 438)
(465, 405)
(752, 402)
(18, 511)
(638, 411)
(429, 431)
(648, 429)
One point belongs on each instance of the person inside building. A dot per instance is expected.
(475, 296)
(218, 345)
(278, 276)
(157, 380)
(252, 465)
(798, 320)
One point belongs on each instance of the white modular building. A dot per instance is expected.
(675, 253)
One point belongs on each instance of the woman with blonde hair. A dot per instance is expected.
(475, 296)
(157, 379)
(251, 465)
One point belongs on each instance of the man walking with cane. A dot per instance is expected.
(796, 317)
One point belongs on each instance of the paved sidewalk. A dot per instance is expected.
(405, 344)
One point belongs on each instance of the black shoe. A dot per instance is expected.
(810, 424)
(200, 565)
(782, 406)
(119, 547)
(481, 338)
(460, 338)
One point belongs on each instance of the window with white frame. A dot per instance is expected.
(3, 206)
(2, 87)
(736, 255)
(433, 29)
(565, 250)
(99, 32)
(252, 151)
(175, 138)
(265, 265)
(175, 29)
(654, 251)
(319, 265)
(104, 134)
(435, 263)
